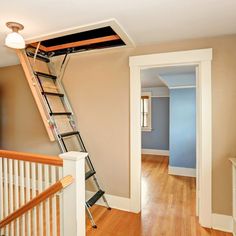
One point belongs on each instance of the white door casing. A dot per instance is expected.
(202, 59)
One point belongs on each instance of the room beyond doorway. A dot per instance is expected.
(168, 116)
(168, 123)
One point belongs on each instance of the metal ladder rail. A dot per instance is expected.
(55, 128)
(91, 167)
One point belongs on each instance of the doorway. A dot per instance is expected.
(201, 59)
(168, 136)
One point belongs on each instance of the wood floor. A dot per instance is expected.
(168, 207)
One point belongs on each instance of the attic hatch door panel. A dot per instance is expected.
(100, 38)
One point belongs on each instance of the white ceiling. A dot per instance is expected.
(147, 22)
(150, 78)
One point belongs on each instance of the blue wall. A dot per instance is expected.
(158, 138)
(183, 128)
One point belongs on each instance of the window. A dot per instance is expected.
(146, 112)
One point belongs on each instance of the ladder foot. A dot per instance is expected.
(109, 208)
(94, 226)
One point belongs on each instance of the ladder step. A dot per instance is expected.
(60, 113)
(45, 75)
(39, 57)
(89, 174)
(69, 134)
(53, 94)
(95, 198)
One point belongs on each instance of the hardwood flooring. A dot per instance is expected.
(168, 207)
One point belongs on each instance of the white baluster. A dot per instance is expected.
(27, 180)
(22, 195)
(11, 202)
(1, 189)
(34, 211)
(54, 203)
(16, 198)
(60, 176)
(1, 192)
(40, 189)
(6, 206)
(47, 203)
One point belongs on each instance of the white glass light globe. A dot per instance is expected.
(15, 40)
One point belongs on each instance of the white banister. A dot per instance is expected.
(73, 200)
(24, 176)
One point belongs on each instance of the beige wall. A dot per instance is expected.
(21, 127)
(98, 87)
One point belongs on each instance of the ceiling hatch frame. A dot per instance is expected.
(98, 36)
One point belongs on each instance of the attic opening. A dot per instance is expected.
(100, 38)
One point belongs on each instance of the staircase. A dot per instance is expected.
(34, 197)
(57, 113)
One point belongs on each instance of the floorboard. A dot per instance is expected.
(168, 207)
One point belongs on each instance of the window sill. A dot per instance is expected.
(147, 130)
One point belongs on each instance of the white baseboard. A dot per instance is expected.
(116, 202)
(156, 152)
(189, 172)
(222, 222)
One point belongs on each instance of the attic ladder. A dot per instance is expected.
(57, 114)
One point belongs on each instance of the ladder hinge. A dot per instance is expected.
(51, 124)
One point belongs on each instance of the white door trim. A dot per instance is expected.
(201, 58)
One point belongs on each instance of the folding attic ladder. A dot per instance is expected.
(62, 121)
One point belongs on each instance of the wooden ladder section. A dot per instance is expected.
(34, 199)
(33, 84)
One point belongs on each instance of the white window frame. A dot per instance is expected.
(149, 127)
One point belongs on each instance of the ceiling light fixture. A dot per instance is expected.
(14, 39)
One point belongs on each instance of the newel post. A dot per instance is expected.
(73, 200)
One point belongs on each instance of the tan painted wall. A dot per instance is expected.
(98, 87)
(21, 127)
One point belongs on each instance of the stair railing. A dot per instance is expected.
(33, 197)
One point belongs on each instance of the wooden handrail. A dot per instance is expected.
(64, 182)
(42, 159)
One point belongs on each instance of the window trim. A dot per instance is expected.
(149, 127)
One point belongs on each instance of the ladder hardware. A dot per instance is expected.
(53, 94)
(39, 57)
(60, 113)
(45, 75)
(89, 174)
(69, 134)
(95, 198)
